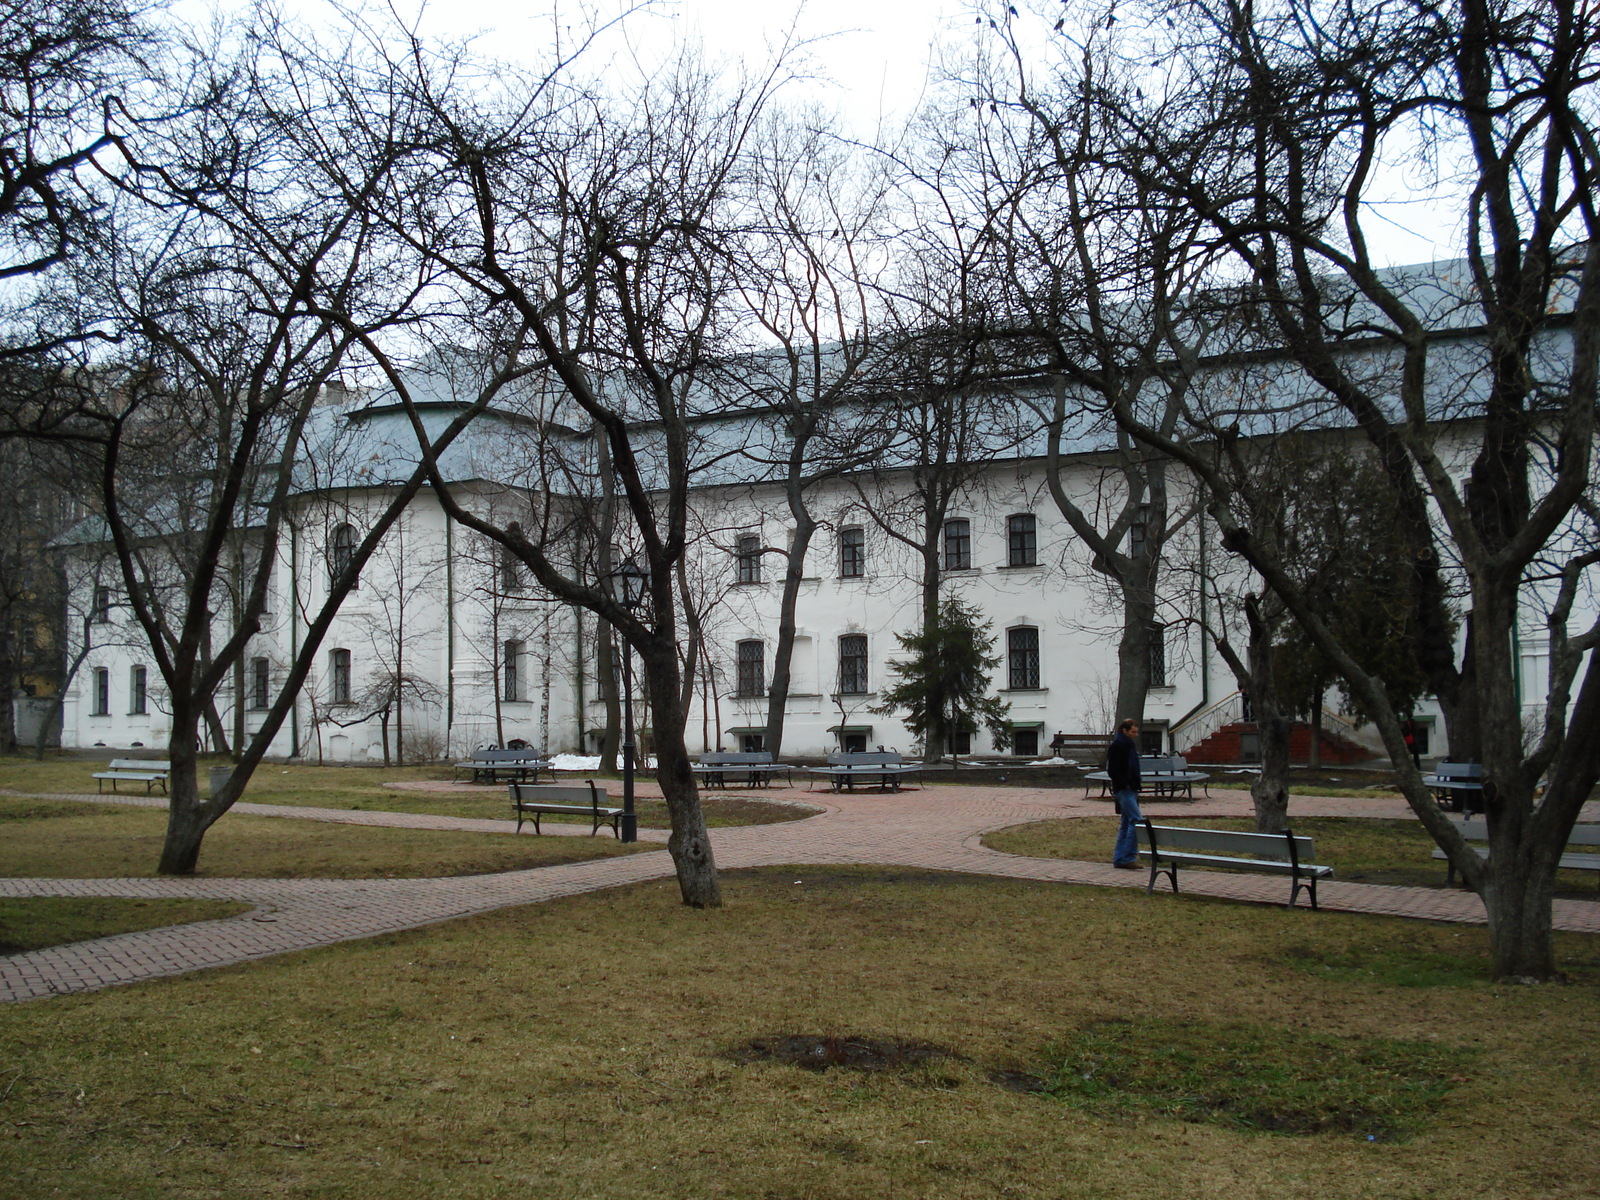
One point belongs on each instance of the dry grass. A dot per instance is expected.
(34, 922)
(584, 1048)
(363, 788)
(1361, 849)
(67, 840)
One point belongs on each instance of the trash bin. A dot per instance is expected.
(219, 778)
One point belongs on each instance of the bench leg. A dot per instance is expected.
(1170, 871)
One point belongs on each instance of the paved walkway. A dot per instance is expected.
(937, 828)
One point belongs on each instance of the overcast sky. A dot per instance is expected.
(873, 58)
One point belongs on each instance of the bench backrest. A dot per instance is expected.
(1228, 841)
(138, 764)
(557, 793)
(504, 756)
(865, 758)
(1161, 765)
(1581, 835)
(1462, 771)
(736, 757)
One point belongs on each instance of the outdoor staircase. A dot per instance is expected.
(1227, 745)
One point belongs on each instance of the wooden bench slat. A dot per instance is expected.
(1169, 846)
(536, 799)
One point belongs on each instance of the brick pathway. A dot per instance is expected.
(937, 828)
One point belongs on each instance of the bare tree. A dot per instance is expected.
(1474, 384)
(591, 238)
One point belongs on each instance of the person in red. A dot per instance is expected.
(1122, 764)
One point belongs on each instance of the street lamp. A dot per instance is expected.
(635, 586)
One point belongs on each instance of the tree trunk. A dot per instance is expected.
(1270, 791)
(937, 733)
(1518, 900)
(689, 844)
(794, 573)
(1133, 651)
(187, 815)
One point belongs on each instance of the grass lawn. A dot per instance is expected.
(618, 1045)
(69, 840)
(1361, 849)
(363, 788)
(34, 922)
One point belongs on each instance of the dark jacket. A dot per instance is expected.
(1122, 763)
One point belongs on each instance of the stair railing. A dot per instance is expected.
(1189, 733)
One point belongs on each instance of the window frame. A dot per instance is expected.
(853, 663)
(342, 543)
(511, 651)
(1022, 540)
(1023, 662)
(852, 552)
(747, 558)
(101, 699)
(260, 684)
(340, 669)
(750, 669)
(138, 690)
(961, 559)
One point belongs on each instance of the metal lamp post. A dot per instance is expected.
(634, 594)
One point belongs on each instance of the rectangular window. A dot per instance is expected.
(1022, 541)
(1025, 743)
(752, 678)
(102, 605)
(747, 558)
(1022, 658)
(511, 671)
(852, 553)
(752, 743)
(260, 683)
(958, 545)
(958, 742)
(102, 692)
(1158, 656)
(853, 664)
(138, 691)
(339, 676)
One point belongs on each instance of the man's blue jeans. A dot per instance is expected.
(1127, 833)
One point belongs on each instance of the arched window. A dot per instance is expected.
(1022, 658)
(511, 672)
(853, 664)
(341, 550)
(752, 673)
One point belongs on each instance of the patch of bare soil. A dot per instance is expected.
(853, 1052)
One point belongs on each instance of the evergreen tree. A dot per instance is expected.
(944, 684)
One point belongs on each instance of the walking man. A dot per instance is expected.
(1122, 764)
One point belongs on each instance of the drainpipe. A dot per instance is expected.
(577, 614)
(449, 629)
(294, 633)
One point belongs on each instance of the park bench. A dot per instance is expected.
(1477, 832)
(533, 800)
(134, 770)
(881, 768)
(520, 766)
(1160, 776)
(756, 766)
(1172, 846)
(1457, 786)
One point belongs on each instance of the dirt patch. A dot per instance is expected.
(854, 1052)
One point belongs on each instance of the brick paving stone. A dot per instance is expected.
(934, 828)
